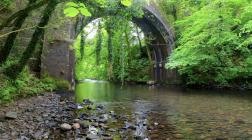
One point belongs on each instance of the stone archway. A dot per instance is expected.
(62, 66)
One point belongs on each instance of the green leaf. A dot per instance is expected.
(72, 4)
(82, 5)
(71, 12)
(101, 2)
(85, 12)
(126, 2)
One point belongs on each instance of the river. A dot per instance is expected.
(182, 113)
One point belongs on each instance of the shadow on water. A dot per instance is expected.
(176, 113)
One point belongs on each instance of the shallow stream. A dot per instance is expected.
(176, 113)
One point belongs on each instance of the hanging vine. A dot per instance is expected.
(99, 43)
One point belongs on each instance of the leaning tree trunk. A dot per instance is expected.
(28, 9)
(14, 70)
(5, 51)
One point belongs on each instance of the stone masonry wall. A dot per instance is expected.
(57, 56)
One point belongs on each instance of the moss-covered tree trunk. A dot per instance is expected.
(14, 70)
(6, 49)
(35, 5)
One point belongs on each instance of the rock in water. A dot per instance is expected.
(92, 130)
(76, 126)
(11, 115)
(151, 82)
(65, 126)
(87, 102)
(92, 137)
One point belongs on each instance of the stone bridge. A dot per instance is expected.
(58, 57)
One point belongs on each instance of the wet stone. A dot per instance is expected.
(84, 124)
(76, 126)
(38, 135)
(107, 138)
(111, 130)
(178, 136)
(2, 118)
(77, 120)
(11, 115)
(240, 121)
(1, 131)
(24, 138)
(65, 126)
(100, 107)
(92, 137)
(87, 102)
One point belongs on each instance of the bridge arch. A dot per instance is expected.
(152, 24)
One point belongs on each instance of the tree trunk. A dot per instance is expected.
(37, 35)
(5, 51)
(28, 9)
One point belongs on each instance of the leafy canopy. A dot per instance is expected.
(214, 43)
(73, 8)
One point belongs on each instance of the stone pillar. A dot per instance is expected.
(58, 56)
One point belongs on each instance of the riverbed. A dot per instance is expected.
(103, 110)
(176, 113)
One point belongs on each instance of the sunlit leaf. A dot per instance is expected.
(85, 12)
(82, 5)
(101, 2)
(72, 4)
(126, 2)
(71, 12)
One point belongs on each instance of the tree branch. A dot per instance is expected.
(21, 12)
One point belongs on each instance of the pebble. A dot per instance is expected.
(65, 126)
(178, 136)
(77, 120)
(92, 137)
(111, 130)
(76, 126)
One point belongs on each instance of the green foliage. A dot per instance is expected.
(73, 9)
(126, 2)
(5, 3)
(213, 44)
(87, 67)
(112, 46)
(126, 63)
(26, 85)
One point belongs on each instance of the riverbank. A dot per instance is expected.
(56, 116)
(37, 117)
(238, 86)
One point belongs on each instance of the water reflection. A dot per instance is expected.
(180, 114)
